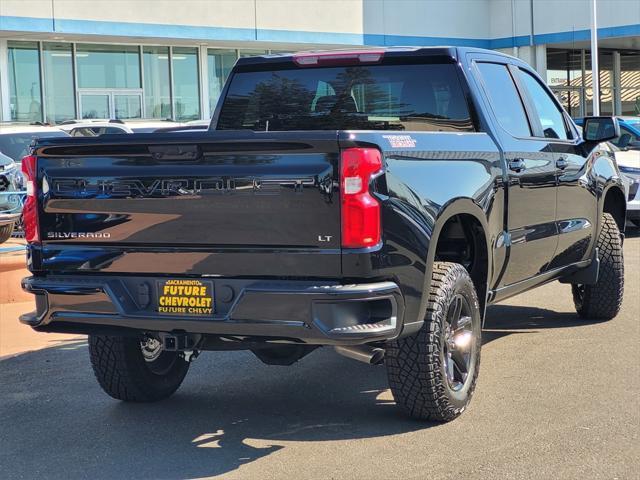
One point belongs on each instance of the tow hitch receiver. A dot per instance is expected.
(178, 342)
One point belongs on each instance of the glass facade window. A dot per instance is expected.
(606, 101)
(95, 105)
(25, 94)
(157, 90)
(252, 53)
(59, 93)
(219, 62)
(569, 75)
(127, 106)
(108, 66)
(564, 68)
(630, 83)
(186, 89)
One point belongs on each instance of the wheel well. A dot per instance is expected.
(462, 240)
(615, 204)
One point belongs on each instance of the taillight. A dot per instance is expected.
(30, 209)
(360, 210)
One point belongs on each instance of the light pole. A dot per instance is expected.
(595, 71)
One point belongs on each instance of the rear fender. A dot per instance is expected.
(455, 207)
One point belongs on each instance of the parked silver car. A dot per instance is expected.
(14, 144)
(10, 196)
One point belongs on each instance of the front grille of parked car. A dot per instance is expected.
(633, 190)
(4, 183)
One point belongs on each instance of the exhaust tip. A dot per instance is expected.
(377, 356)
(362, 353)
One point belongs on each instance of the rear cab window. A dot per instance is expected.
(416, 97)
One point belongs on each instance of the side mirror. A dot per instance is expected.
(600, 129)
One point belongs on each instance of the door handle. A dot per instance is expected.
(562, 163)
(517, 164)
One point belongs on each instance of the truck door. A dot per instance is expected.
(531, 234)
(576, 208)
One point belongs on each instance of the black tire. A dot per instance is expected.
(602, 301)
(125, 374)
(417, 365)
(5, 232)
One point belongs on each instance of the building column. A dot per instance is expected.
(541, 61)
(5, 105)
(526, 54)
(536, 56)
(205, 112)
(617, 82)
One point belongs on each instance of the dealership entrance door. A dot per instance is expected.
(110, 104)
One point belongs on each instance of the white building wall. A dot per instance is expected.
(308, 21)
(552, 16)
(467, 19)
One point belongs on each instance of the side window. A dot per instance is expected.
(625, 138)
(550, 115)
(504, 98)
(112, 130)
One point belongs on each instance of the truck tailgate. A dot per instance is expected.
(177, 203)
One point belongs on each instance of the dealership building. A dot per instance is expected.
(168, 59)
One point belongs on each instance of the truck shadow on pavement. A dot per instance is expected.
(503, 320)
(231, 410)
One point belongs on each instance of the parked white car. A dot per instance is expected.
(16, 138)
(95, 128)
(629, 165)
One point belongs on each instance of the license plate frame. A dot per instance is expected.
(185, 297)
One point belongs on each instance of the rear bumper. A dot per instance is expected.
(318, 313)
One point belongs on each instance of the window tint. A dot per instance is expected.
(505, 100)
(379, 97)
(550, 115)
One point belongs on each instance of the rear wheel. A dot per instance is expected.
(602, 301)
(432, 374)
(5, 232)
(136, 369)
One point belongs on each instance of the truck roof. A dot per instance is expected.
(451, 52)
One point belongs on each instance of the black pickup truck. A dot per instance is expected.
(375, 201)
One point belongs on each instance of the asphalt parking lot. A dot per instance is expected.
(557, 398)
